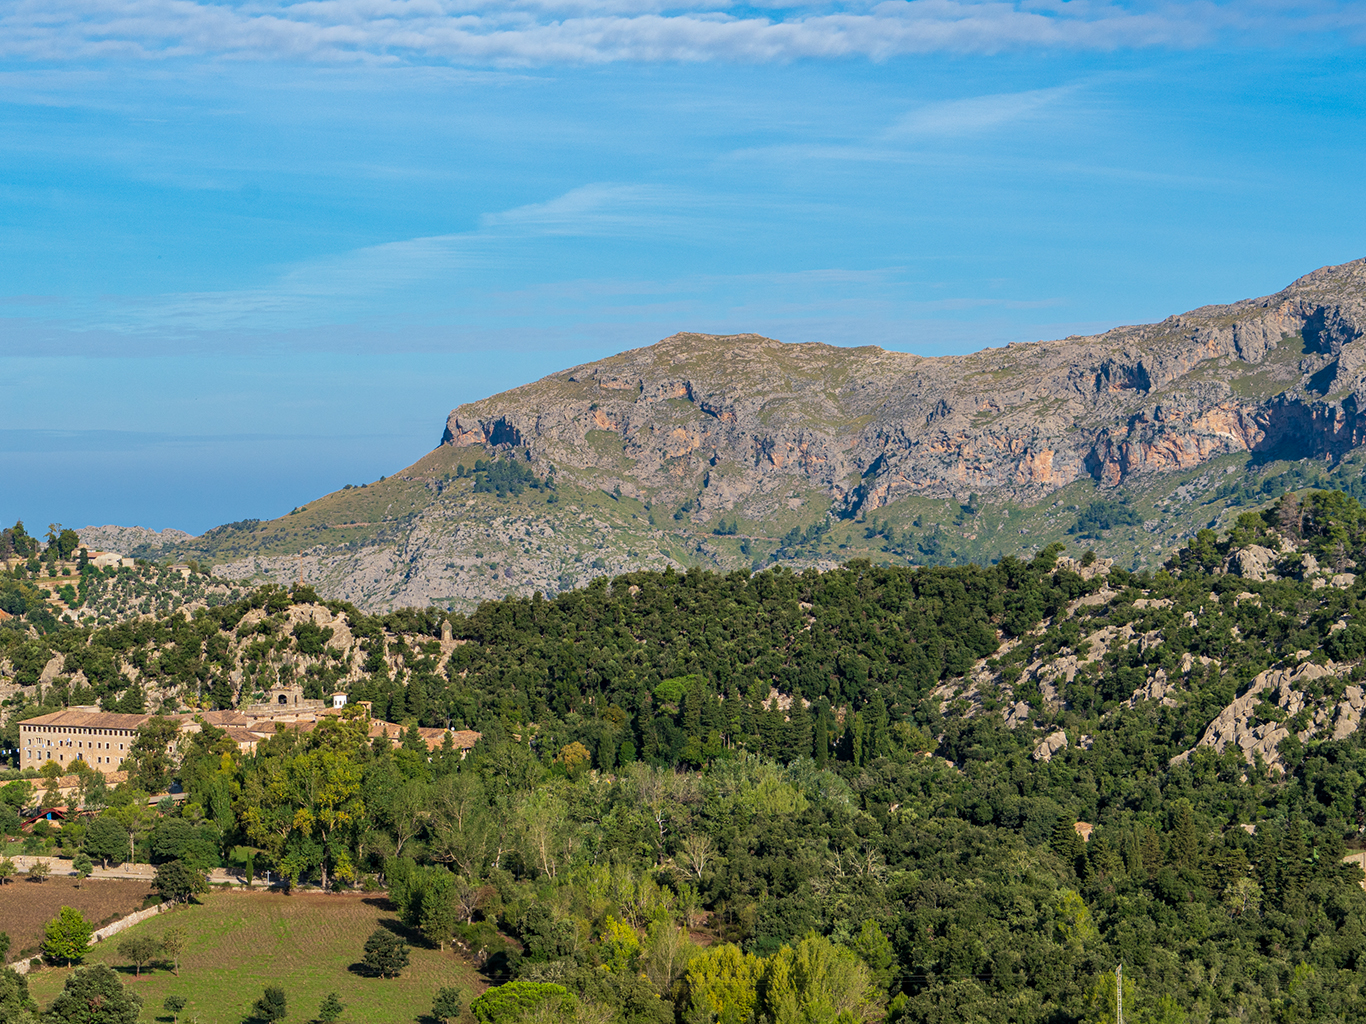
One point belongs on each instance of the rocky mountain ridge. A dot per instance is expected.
(713, 450)
(723, 420)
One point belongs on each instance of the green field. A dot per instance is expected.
(240, 942)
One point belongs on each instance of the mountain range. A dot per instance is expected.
(739, 451)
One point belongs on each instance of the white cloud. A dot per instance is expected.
(976, 114)
(537, 32)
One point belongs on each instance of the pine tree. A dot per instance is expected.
(221, 694)
(448, 1005)
(385, 953)
(331, 1009)
(271, 1006)
(772, 730)
(1151, 850)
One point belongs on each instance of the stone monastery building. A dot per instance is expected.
(103, 739)
(100, 738)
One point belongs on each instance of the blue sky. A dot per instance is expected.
(252, 251)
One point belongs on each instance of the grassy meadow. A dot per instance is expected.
(311, 944)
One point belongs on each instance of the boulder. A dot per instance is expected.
(1050, 745)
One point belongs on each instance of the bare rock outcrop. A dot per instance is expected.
(127, 540)
(1253, 563)
(1050, 745)
(1238, 724)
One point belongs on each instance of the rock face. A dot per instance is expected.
(729, 421)
(1238, 724)
(125, 539)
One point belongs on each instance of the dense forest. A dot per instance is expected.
(793, 797)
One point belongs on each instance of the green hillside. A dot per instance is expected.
(689, 784)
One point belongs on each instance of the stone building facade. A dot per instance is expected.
(102, 739)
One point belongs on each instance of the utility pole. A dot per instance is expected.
(1119, 994)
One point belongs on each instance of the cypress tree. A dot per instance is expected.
(876, 744)
(798, 730)
(821, 737)
(1185, 844)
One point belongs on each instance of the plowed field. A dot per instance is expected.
(26, 906)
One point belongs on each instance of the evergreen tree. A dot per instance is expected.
(94, 995)
(385, 953)
(821, 738)
(772, 730)
(448, 1005)
(272, 1005)
(1067, 844)
(331, 1009)
(1151, 850)
(798, 731)
(876, 743)
(1185, 844)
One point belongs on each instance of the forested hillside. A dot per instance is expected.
(816, 796)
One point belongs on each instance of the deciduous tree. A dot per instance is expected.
(139, 950)
(177, 881)
(68, 936)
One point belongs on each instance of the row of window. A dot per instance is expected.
(80, 756)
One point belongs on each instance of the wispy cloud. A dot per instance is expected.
(343, 287)
(598, 210)
(976, 114)
(539, 32)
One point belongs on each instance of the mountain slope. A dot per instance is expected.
(740, 451)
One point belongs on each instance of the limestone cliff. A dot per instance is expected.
(737, 452)
(731, 421)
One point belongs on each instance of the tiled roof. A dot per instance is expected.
(88, 720)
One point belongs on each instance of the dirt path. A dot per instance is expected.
(61, 867)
